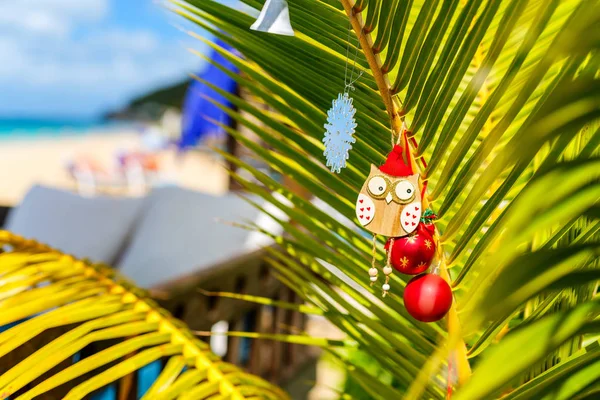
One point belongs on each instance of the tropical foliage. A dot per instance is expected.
(501, 101)
(70, 328)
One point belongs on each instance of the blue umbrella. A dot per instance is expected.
(198, 112)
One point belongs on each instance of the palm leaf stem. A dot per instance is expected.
(383, 84)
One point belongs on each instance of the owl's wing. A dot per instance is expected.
(365, 209)
(411, 216)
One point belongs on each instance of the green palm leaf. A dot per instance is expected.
(91, 305)
(502, 101)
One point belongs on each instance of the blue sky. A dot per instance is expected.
(79, 58)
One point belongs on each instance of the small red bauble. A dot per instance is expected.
(413, 254)
(427, 297)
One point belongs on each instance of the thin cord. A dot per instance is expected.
(347, 53)
(374, 251)
(393, 140)
(388, 264)
(374, 254)
(396, 141)
(402, 133)
(349, 83)
(354, 62)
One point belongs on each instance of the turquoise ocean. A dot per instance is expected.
(24, 128)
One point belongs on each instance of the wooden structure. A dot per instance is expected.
(186, 298)
(149, 355)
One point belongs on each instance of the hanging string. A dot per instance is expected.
(405, 131)
(403, 134)
(373, 270)
(346, 62)
(374, 251)
(349, 83)
(396, 140)
(388, 268)
(423, 177)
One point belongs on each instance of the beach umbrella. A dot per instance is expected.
(198, 112)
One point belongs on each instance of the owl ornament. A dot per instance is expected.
(389, 204)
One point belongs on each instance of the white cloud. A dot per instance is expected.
(45, 23)
(50, 17)
(108, 59)
(43, 50)
(120, 40)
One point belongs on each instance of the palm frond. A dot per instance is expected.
(501, 102)
(88, 305)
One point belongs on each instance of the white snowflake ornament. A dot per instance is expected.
(339, 130)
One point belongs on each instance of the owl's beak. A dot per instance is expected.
(388, 198)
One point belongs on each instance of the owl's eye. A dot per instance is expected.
(405, 190)
(377, 186)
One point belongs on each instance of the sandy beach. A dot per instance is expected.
(29, 161)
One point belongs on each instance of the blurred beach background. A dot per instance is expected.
(32, 152)
(97, 98)
(88, 89)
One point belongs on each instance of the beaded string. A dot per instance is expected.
(387, 270)
(373, 271)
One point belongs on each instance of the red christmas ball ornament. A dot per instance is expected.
(413, 254)
(427, 297)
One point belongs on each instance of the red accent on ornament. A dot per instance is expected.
(427, 297)
(368, 218)
(362, 209)
(395, 165)
(429, 228)
(368, 208)
(360, 201)
(413, 254)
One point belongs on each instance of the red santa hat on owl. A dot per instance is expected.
(396, 163)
